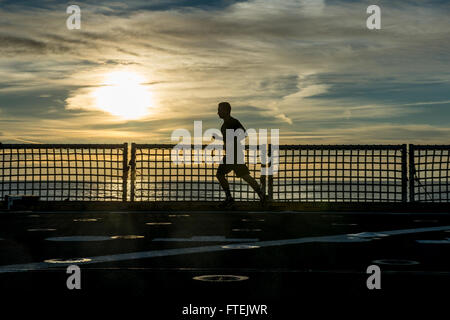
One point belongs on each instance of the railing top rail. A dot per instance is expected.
(343, 146)
(430, 146)
(170, 146)
(294, 147)
(62, 146)
(164, 145)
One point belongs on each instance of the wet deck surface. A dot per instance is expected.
(283, 258)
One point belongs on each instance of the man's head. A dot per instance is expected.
(224, 110)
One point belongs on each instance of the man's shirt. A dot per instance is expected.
(234, 124)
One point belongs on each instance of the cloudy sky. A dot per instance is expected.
(137, 70)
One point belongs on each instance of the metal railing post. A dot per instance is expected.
(133, 171)
(412, 171)
(125, 172)
(404, 174)
(262, 177)
(270, 179)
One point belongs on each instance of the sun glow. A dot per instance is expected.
(123, 94)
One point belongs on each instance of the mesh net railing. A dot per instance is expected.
(429, 173)
(341, 173)
(64, 172)
(156, 177)
(306, 173)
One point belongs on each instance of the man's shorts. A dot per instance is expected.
(240, 170)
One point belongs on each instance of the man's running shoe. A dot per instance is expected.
(227, 203)
(262, 198)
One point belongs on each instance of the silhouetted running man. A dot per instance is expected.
(240, 170)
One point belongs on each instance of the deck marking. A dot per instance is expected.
(240, 246)
(220, 278)
(426, 221)
(71, 261)
(79, 238)
(87, 219)
(158, 223)
(396, 262)
(369, 234)
(127, 237)
(206, 239)
(203, 249)
(443, 241)
(41, 230)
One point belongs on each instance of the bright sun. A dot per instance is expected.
(122, 94)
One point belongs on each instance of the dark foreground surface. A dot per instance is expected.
(289, 261)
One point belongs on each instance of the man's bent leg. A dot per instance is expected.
(224, 184)
(252, 183)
